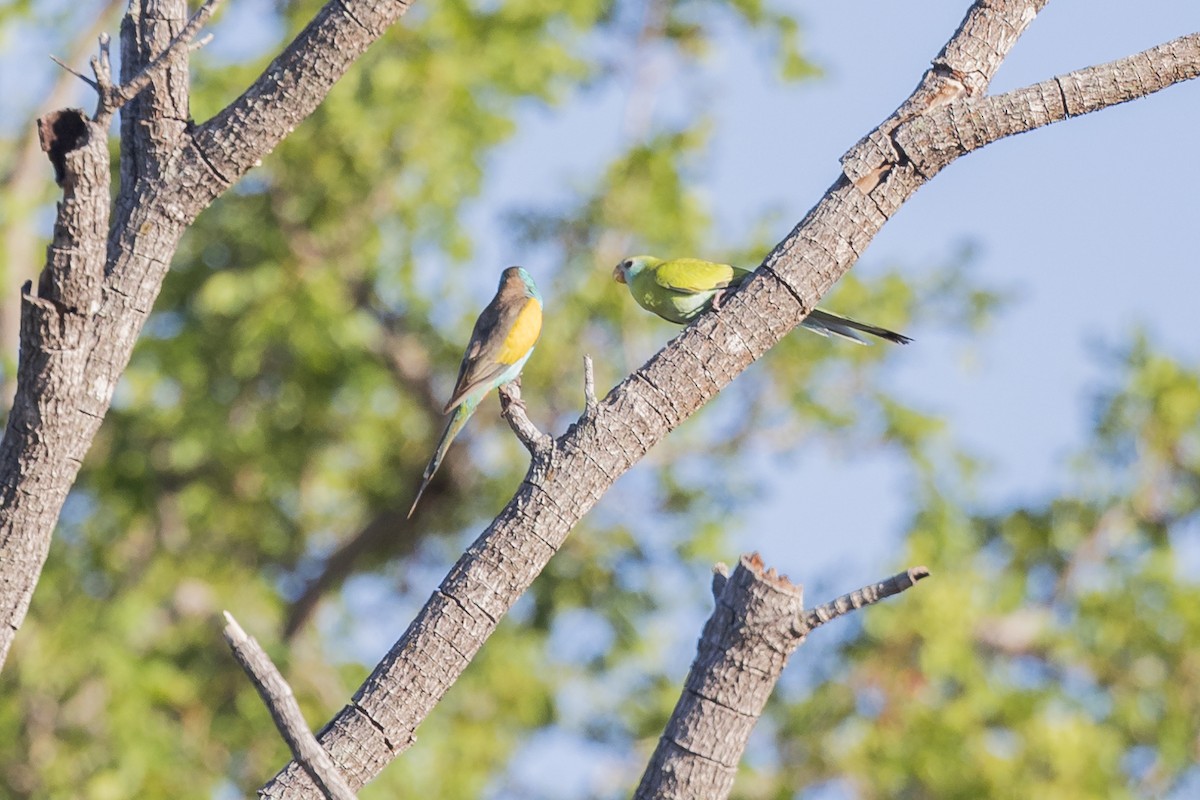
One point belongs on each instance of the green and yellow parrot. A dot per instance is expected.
(501, 343)
(680, 288)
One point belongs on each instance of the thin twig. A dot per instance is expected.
(201, 42)
(75, 72)
(113, 97)
(513, 409)
(589, 387)
(873, 593)
(102, 65)
(281, 702)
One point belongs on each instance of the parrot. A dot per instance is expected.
(501, 342)
(680, 288)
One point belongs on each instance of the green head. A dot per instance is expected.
(633, 266)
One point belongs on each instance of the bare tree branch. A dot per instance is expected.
(76, 341)
(590, 403)
(22, 185)
(89, 81)
(281, 702)
(867, 595)
(512, 407)
(964, 68)
(113, 97)
(745, 645)
(758, 622)
(957, 129)
(383, 716)
(42, 449)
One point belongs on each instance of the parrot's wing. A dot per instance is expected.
(694, 275)
(503, 334)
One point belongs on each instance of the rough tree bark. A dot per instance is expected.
(23, 184)
(277, 695)
(758, 622)
(106, 265)
(73, 350)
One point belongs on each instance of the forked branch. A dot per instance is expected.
(112, 96)
(758, 622)
(279, 699)
(108, 260)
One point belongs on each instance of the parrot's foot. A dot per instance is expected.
(512, 407)
(719, 298)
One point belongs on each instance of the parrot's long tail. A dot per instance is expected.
(457, 419)
(827, 324)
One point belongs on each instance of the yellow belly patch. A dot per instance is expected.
(524, 333)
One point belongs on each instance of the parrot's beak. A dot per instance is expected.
(618, 273)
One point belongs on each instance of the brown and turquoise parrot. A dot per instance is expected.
(501, 343)
(680, 288)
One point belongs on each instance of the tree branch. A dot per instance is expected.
(71, 359)
(281, 702)
(933, 141)
(965, 67)
(500, 565)
(112, 97)
(290, 88)
(23, 187)
(859, 598)
(74, 344)
(42, 447)
(512, 407)
(89, 81)
(742, 652)
(755, 627)
(590, 403)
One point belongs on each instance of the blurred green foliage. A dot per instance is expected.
(1053, 655)
(285, 397)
